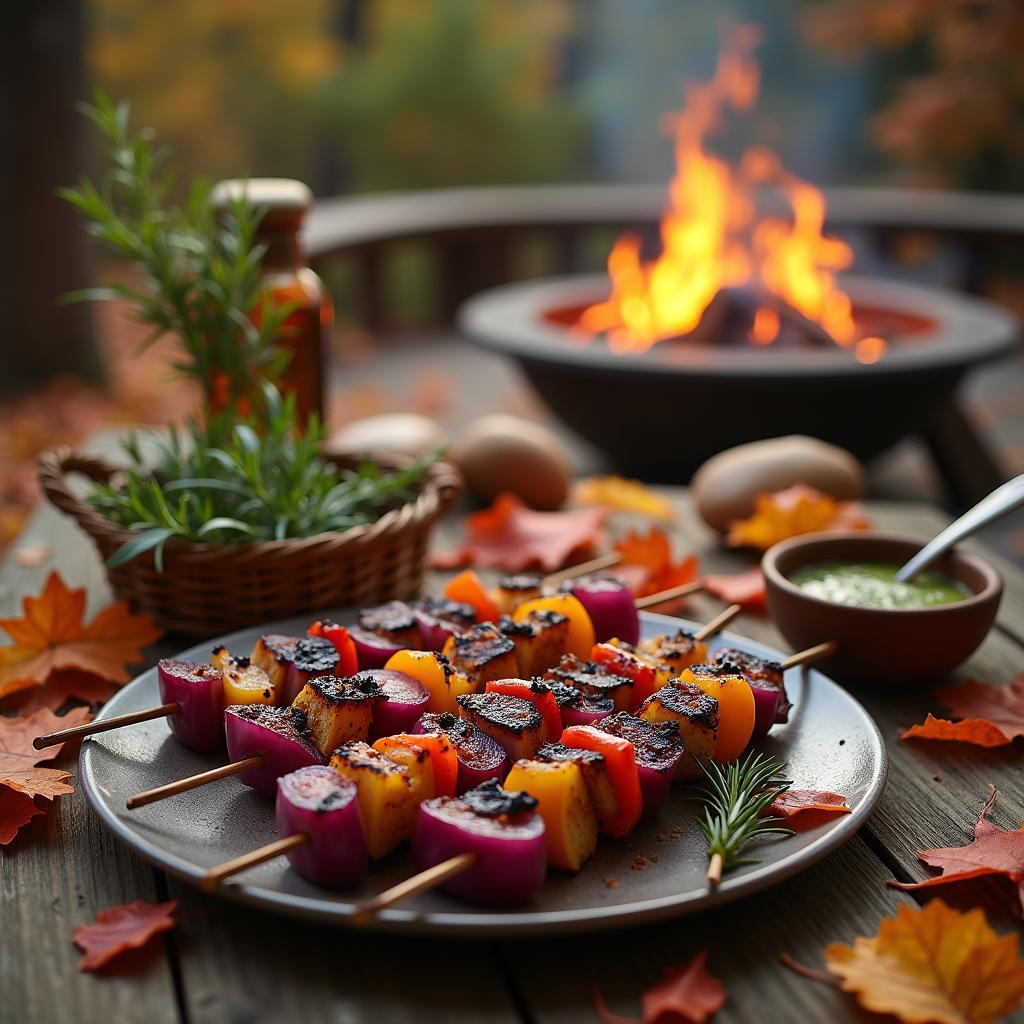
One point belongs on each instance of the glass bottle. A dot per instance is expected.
(306, 330)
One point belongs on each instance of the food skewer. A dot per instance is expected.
(422, 881)
(225, 771)
(810, 655)
(598, 564)
(170, 709)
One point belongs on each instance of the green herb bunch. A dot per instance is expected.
(735, 798)
(245, 470)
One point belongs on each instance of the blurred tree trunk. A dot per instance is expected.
(44, 248)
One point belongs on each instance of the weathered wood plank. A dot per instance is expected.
(247, 965)
(61, 871)
(836, 900)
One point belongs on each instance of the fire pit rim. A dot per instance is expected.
(512, 319)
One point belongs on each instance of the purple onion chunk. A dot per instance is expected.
(609, 603)
(439, 618)
(481, 758)
(658, 749)
(280, 736)
(407, 699)
(196, 688)
(373, 651)
(501, 829)
(321, 805)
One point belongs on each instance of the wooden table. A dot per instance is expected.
(225, 962)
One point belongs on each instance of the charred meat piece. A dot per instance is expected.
(595, 775)
(696, 715)
(455, 612)
(677, 650)
(312, 656)
(339, 709)
(515, 724)
(592, 679)
(482, 653)
(539, 640)
(758, 670)
(657, 745)
(274, 653)
(512, 591)
(395, 621)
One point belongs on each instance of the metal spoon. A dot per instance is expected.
(1001, 501)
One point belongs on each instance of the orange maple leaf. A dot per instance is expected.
(647, 566)
(687, 993)
(17, 734)
(51, 635)
(61, 686)
(16, 809)
(43, 782)
(624, 495)
(798, 509)
(933, 964)
(120, 929)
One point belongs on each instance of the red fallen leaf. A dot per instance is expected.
(993, 852)
(60, 687)
(806, 808)
(743, 588)
(990, 715)
(970, 730)
(511, 537)
(647, 564)
(16, 809)
(42, 782)
(120, 929)
(17, 734)
(686, 994)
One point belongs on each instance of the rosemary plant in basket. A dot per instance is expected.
(245, 469)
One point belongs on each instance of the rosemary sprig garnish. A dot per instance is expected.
(735, 796)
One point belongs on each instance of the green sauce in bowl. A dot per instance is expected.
(874, 585)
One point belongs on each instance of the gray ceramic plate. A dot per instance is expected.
(830, 743)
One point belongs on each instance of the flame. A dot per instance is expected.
(710, 238)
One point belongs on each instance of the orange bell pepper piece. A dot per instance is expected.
(736, 709)
(348, 662)
(443, 758)
(581, 638)
(433, 671)
(540, 697)
(468, 588)
(623, 663)
(620, 760)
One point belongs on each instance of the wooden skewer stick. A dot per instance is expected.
(718, 623)
(715, 866)
(669, 595)
(150, 796)
(594, 565)
(428, 879)
(216, 875)
(811, 654)
(51, 739)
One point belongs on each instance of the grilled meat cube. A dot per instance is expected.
(515, 724)
(570, 821)
(758, 670)
(595, 775)
(593, 680)
(313, 656)
(395, 621)
(274, 653)
(339, 709)
(539, 639)
(677, 650)
(387, 799)
(457, 613)
(482, 653)
(245, 683)
(512, 591)
(695, 713)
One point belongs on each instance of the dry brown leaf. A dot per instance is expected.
(17, 734)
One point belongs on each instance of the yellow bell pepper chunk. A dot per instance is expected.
(433, 671)
(735, 708)
(570, 822)
(246, 684)
(580, 640)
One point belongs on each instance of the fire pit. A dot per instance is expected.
(743, 325)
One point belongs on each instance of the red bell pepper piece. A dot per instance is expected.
(468, 588)
(620, 760)
(348, 662)
(621, 662)
(539, 696)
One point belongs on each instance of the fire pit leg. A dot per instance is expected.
(967, 466)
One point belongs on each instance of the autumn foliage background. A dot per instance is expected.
(366, 95)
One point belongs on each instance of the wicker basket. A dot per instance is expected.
(208, 589)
